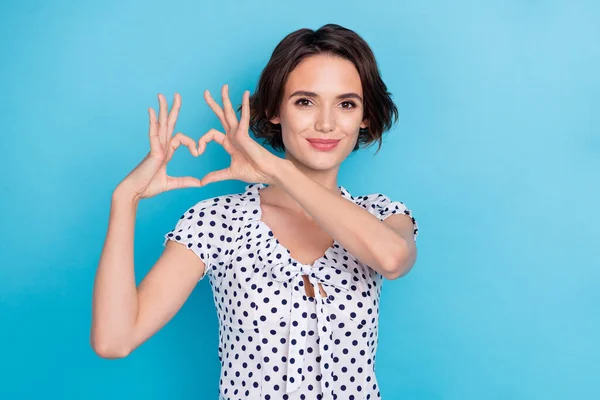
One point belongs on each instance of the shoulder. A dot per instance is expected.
(214, 212)
(383, 206)
(215, 219)
(224, 204)
(210, 228)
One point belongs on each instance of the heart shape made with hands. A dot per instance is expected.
(250, 162)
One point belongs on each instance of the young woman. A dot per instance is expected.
(295, 262)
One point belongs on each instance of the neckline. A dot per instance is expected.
(257, 216)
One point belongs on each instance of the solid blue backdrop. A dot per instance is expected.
(497, 152)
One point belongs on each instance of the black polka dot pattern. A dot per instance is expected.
(275, 342)
(382, 207)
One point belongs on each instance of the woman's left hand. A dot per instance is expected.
(250, 162)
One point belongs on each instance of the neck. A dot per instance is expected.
(275, 195)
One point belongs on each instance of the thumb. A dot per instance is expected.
(216, 176)
(182, 182)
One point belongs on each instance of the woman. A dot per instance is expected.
(295, 262)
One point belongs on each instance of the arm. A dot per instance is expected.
(124, 316)
(386, 247)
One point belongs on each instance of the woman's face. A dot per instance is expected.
(322, 100)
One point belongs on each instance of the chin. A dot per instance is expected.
(322, 161)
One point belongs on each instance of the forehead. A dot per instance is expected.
(324, 75)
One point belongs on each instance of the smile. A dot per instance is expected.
(323, 145)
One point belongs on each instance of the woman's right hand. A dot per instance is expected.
(150, 177)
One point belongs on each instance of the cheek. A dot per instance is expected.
(296, 121)
(350, 124)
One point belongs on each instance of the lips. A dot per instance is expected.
(323, 144)
(323, 141)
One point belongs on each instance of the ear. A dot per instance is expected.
(364, 124)
(275, 120)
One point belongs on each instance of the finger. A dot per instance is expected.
(172, 120)
(155, 145)
(162, 119)
(245, 120)
(178, 140)
(182, 182)
(216, 109)
(212, 134)
(228, 109)
(216, 176)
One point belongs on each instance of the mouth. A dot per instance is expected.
(323, 144)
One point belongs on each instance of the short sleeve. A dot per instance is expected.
(202, 228)
(382, 207)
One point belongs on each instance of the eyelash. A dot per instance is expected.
(353, 105)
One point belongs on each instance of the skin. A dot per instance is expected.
(323, 116)
(301, 205)
(314, 105)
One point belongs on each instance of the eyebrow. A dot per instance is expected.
(350, 95)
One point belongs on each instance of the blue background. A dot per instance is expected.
(496, 152)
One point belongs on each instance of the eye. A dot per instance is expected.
(349, 105)
(302, 102)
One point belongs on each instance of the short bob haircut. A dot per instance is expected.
(332, 39)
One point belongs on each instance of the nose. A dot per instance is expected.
(325, 121)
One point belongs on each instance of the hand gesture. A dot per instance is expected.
(150, 177)
(250, 161)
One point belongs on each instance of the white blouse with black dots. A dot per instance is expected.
(275, 342)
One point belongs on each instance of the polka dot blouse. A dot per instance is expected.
(275, 342)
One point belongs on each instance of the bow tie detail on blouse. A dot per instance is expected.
(327, 275)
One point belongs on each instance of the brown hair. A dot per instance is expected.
(379, 109)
